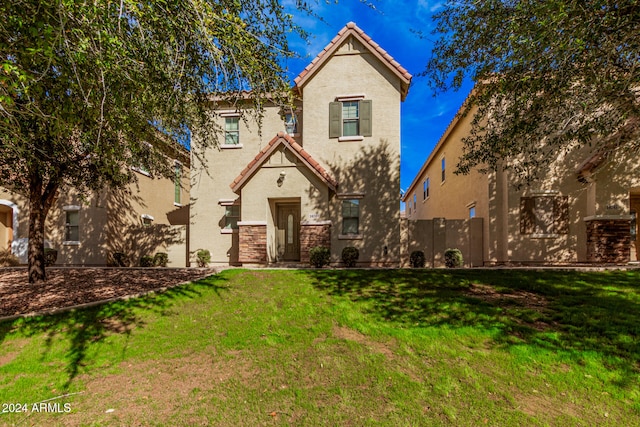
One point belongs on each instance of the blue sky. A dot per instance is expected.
(389, 23)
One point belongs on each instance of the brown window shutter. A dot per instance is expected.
(365, 118)
(335, 119)
(561, 214)
(527, 215)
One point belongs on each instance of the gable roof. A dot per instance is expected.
(289, 143)
(351, 29)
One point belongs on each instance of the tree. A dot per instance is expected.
(89, 89)
(550, 76)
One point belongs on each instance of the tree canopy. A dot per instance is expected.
(89, 89)
(550, 76)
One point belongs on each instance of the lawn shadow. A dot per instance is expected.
(564, 311)
(83, 328)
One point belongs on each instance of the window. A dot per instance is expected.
(147, 220)
(415, 202)
(544, 216)
(232, 130)
(231, 216)
(351, 217)
(72, 232)
(291, 123)
(472, 212)
(425, 189)
(177, 184)
(350, 117)
(443, 168)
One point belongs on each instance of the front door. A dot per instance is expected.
(288, 231)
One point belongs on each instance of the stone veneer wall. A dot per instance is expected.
(608, 240)
(312, 235)
(253, 244)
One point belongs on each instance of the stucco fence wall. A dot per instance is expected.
(435, 236)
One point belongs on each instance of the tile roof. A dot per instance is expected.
(288, 142)
(351, 29)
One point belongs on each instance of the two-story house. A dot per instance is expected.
(581, 209)
(324, 172)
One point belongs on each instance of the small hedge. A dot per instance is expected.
(161, 259)
(417, 259)
(350, 255)
(319, 256)
(120, 259)
(146, 261)
(50, 256)
(204, 257)
(453, 258)
(7, 259)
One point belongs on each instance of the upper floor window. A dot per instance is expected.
(415, 202)
(72, 223)
(291, 123)
(472, 211)
(444, 167)
(232, 130)
(425, 189)
(350, 117)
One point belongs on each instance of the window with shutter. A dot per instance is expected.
(350, 118)
(544, 216)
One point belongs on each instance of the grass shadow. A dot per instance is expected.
(83, 328)
(564, 311)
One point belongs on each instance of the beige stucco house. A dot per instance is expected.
(581, 209)
(324, 172)
(150, 215)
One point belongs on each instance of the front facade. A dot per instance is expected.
(323, 172)
(582, 209)
(148, 216)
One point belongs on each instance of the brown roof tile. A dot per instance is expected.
(287, 141)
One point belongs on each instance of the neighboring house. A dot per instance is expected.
(323, 173)
(581, 209)
(149, 216)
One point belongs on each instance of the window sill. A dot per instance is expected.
(70, 243)
(230, 146)
(350, 237)
(228, 230)
(350, 138)
(140, 171)
(177, 204)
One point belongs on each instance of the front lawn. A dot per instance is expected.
(338, 347)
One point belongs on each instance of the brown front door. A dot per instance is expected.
(288, 231)
(635, 227)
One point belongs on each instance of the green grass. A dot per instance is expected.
(348, 347)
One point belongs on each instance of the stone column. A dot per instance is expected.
(608, 239)
(314, 234)
(252, 242)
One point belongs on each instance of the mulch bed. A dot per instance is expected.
(68, 287)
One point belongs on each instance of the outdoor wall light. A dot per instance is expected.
(281, 179)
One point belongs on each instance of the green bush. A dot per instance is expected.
(453, 258)
(7, 259)
(50, 256)
(146, 261)
(161, 259)
(319, 256)
(417, 259)
(350, 255)
(120, 259)
(204, 257)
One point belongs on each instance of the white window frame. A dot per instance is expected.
(230, 114)
(67, 210)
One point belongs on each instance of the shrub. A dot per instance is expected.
(453, 258)
(350, 255)
(7, 259)
(161, 259)
(120, 259)
(417, 259)
(50, 256)
(146, 261)
(319, 256)
(204, 257)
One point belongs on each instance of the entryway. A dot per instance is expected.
(288, 231)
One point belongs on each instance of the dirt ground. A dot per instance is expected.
(68, 287)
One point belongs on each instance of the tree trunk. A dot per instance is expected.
(39, 204)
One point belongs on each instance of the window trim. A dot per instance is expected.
(350, 236)
(68, 209)
(235, 116)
